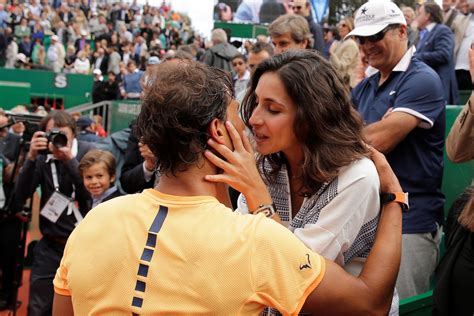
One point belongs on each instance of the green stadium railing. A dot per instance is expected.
(123, 112)
(242, 30)
(14, 93)
(420, 305)
(117, 115)
(72, 89)
(464, 96)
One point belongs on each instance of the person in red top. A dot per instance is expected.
(99, 128)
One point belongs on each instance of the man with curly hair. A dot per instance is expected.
(176, 249)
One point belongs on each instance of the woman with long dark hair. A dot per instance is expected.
(312, 165)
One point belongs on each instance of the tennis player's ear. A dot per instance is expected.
(217, 131)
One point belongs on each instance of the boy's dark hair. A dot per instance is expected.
(61, 119)
(180, 99)
(239, 56)
(96, 156)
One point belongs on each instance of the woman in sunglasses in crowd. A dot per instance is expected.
(313, 174)
(344, 55)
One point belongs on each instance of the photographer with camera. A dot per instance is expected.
(9, 224)
(53, 164)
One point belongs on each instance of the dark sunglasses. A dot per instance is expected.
(374, 38)
(298, 7)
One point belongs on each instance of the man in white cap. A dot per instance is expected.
(56, 54)
(81, 42)
(403, 106)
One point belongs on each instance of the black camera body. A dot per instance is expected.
(56, 137)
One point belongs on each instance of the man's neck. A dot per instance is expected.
(386, 71)
(190, 182)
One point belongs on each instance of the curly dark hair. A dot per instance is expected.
(326, 125)
(180, 99)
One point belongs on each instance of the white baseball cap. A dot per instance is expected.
(374, 16)
(153, 60)
(22, 57)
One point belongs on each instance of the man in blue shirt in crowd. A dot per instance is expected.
(132, 82)
(403, 106)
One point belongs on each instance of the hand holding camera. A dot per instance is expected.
(54, 141)
(38, 143)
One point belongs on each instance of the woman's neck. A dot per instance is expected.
(294, 163)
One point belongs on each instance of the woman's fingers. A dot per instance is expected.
(234, 136)
(388, 179)
(217, 161)
(218, 178)
(223, 150)
(247, 145)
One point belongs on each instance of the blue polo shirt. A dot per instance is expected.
(413, 88)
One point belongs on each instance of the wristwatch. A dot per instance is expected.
(400, 197)
(267, 209)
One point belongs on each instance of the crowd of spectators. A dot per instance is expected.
(80, 36)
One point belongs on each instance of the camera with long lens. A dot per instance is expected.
(31, 122)
(56, 137)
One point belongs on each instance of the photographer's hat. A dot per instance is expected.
(374, 16)
(84, 121)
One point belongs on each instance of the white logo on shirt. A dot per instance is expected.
(392, 92)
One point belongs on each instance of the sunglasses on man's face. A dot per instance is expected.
(295, 7)
(373, 38)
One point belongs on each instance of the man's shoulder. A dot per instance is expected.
(12, 137)
(83, 148)
(85, 145)
(349, 44)
(419, 73)
(374, 78)
(441, 28)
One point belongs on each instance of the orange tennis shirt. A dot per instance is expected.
(153, 253)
